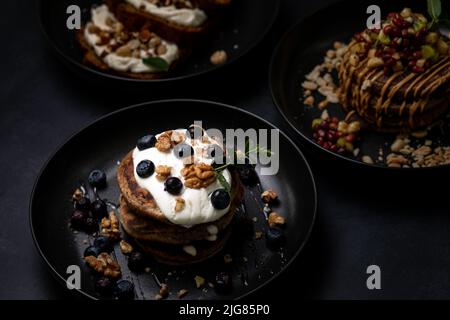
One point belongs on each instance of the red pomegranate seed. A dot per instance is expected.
(417, 69)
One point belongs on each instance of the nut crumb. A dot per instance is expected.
(180, 204)
(258, 235)
(163, 292)
(105, 265)
(109, 227)
(125, 247)
(227, 258)
(276, 220)
(219, 57)
(163, 172)
(199, 281)
(182, 293)
(269, 196)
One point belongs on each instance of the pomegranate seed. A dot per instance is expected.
(341, 150)
(334, 148)
(417, 69)
(350, 137)
(320, 140)
(398, 21)
(321, 133)
(326, 145)
(387, 30)
(315, 136)
(417, 55)
(412, 63)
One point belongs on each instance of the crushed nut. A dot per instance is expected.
(198, 176)
(219, 57)
(258, 235)
(182, 293)
(199, 281)
(177, 138)
(309, 101)
(180, 204)
(276, 220)
(269, 196)
(125, 247)
(163, 292)
(77, 195)
(163, 172)
(105, 265)
(323, 104)
(163, 143)
(109, 227)
(367, 159)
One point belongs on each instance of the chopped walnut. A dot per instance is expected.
(163, 172)
(77, 195)
(182, 293)
(180, 204)
(258, 235)
(105, 265)
(125, 247)
(177, 138)
(219, 57)
(163, 292)
(163, 143)
(199, 281)
(198, 176)
(276, 220)
(109, 227)
(269, 196)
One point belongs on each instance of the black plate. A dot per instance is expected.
(245, 26)
(300, 50)
(106, 141)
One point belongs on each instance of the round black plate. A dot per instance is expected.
(106, 141)
(244, 27)
(300, 50)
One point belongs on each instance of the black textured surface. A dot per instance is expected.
(399, 222)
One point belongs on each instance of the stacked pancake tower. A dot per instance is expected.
(172, 203)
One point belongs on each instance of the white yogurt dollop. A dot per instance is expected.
(198, 208)
(182, 16)
(100, 15)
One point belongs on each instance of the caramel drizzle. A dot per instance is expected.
(360, 99)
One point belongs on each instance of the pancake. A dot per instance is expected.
(140, 201)
(147, 229)
(174, 255)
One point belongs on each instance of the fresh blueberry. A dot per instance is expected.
(99, 208)
(136, 262)
(78, 219)
(91, 251)
(173, 185)
(248, 174)
(145, 168)
(124, 290)
(183, 150)
(274, 237)
(103, 244)
(195, 132)
(223, 282)
(105, 286)
(220, 199)
(83, 204)
(146, 142)
(91, 225)
(97, 179)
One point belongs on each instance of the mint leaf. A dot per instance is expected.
(434, 9)
(223, 181)
(156, 62)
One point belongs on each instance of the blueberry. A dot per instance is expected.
(91, 251)
(97, 179)
(99, 208)
(78, 219)
(145, 169)
(223, 282)
(195, 132)
(220, 199)
(105, 286)
(91, 225)
(83, 204)
(173, 185)
(248, 174)
(136, 262)
(146, 142)
(274, 237)
(124, 290)
(183, 150)
(103, 244)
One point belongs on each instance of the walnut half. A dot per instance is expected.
(198, 176)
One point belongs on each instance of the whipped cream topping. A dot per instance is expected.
(198, 207)
(100, 17)
(182, 16)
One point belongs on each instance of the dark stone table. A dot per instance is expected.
(399, 222)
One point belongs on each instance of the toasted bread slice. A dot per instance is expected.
(134, 18)
(143, 203)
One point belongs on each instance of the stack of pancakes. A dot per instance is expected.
(142, 219)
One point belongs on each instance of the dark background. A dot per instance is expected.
(399, 222)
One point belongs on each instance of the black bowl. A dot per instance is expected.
(244, 27)
(106, 141)
(300, 50)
